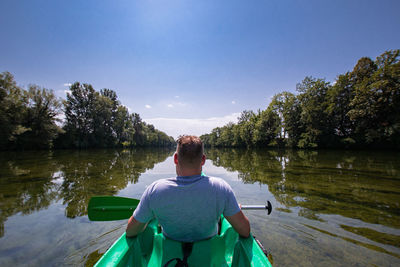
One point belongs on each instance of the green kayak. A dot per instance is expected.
(152, 248)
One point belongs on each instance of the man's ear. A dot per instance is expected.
(176, 158)
(203, 160)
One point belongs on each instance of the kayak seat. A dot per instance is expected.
(152, 248)
(216, 251)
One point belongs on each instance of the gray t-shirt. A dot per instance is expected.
(188, 208)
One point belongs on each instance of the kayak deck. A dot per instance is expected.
(152, 248)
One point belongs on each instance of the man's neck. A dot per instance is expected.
(188, 172)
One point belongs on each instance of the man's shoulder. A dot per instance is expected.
(163, 181)
(156, 186)
(218, 182)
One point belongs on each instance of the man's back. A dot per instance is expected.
(189, 207)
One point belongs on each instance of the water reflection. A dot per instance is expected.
(357, 185)
(30, 183)
(25, 185)
(327, 204)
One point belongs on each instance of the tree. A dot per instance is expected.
(109, 110)
(246, 123)
(13, 101)
(137, 124)
(340, 96)
(375, 108)
(266, 128)
(103, 122)
(42, 110)
(237, 141)
(92, 119)
(314, 118)
(361, 109)
(226, 135)
(245, 116)
(363, 70)
(287, 106)
(123, 126)
(79, 113)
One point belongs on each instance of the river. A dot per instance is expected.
(330, 208)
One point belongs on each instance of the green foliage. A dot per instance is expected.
(13, 103)
(92, 119)
(252, 130)
(41, 117)
(28, 118)
(123, 126)
(79, 112)
(314, 118)
(266, 128)
(288, 108)
(339, 99)
(361, 109)
(99, 120)
(375, 108)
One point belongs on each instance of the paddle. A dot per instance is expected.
(110, 208)
(267, 207)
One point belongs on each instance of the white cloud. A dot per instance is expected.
(67, 84)
(174, 104)
(176, 126)
(177, 96)
(147, 106)
(233, 102)
(181, 104)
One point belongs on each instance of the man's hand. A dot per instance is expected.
(134, 227)
(240, 223)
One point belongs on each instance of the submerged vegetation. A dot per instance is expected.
(30, 119)
(361, 109)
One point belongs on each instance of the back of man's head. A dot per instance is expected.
(190, 151)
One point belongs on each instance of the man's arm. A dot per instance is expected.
(240, 223)
(134, 227)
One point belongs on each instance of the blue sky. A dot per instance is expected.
(189, 66)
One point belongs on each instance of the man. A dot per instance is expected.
(188, 207)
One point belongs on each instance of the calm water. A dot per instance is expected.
(330, 207)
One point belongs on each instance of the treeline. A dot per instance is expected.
(30, 119)
(360, 110)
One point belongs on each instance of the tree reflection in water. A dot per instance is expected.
(31, 181)
(359, 185)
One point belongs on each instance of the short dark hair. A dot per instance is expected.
(190, 150)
